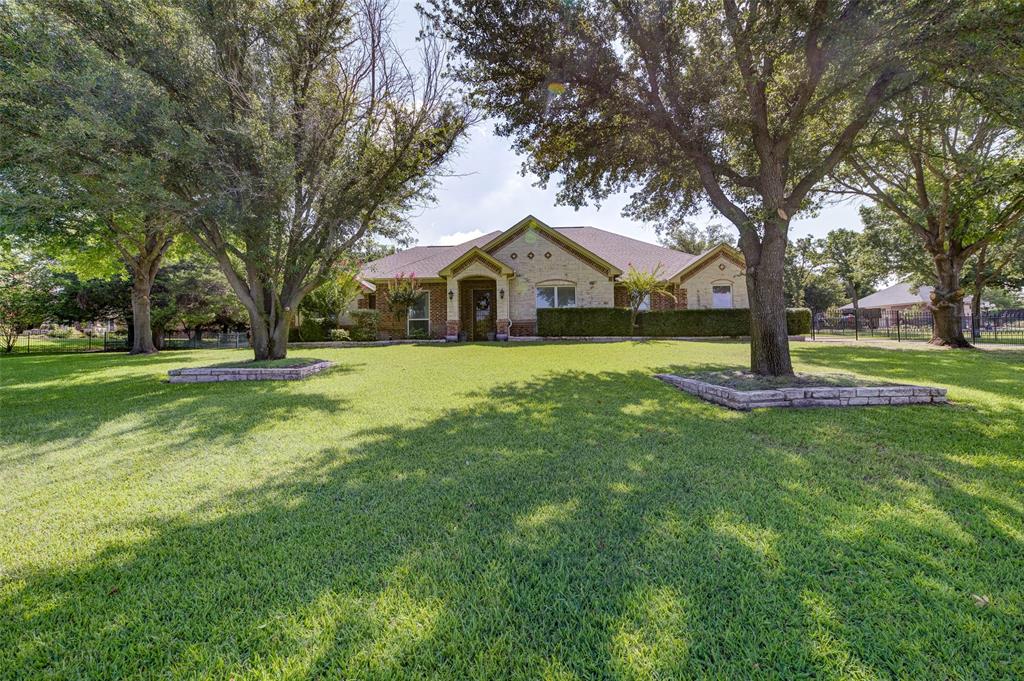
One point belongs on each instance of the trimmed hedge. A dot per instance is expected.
(583, 321)
(731, 322)
(798, 321)
(608, 321)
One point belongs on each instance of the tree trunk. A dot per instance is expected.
(766, 291)
(142, 336)
(979, 286)
(947, 304)
(270, 341)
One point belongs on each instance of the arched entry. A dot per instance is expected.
(478, 308)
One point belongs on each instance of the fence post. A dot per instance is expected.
(898, 339)
(856, 325)
(28, 343)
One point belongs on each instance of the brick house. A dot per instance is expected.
(491, 286)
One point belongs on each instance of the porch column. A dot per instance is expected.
(452, 324)
(504, 318)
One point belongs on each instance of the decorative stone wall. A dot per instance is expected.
(744, 400)
(215, 375)
(720, 270)
(540, 261)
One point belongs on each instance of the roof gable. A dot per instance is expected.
(706, 258)
(475, 254)
(530, 222)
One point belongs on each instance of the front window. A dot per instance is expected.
(645, 304)
(419, 315)
(556, 296)
(721, 296)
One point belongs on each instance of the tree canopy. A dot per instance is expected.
(308, 131)
(746, 107)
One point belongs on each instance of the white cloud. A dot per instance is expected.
(456, 238)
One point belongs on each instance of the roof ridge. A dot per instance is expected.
(623, 236)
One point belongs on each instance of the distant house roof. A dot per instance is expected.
(897, 294)
(621, 252)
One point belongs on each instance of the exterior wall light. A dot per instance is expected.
(501, 294)
(451, 294)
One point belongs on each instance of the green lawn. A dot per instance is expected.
(507, 511)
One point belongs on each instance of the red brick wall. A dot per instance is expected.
(659, 302)
(621, 300)
(392, 328)
(524, 327)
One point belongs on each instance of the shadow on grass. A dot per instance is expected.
(584, 525)
(1001, 373)
(128, 402)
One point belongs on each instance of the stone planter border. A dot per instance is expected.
(824, 396)
(621, 339)
(215, 375)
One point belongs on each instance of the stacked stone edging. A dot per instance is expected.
(215, 375)
(364, 344)
(616, 339)
(823, 396)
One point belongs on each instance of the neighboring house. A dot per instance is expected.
(493, 285)
(899, 297)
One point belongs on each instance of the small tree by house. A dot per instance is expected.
(641, 286)
(402, 295)
(332, 299)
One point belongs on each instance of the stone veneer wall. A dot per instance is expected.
(696, 288)
(824, 396)
(593, 287)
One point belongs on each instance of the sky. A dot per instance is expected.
(485, 190)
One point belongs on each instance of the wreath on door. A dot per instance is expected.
(483, 303)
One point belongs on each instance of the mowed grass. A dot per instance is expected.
(507, 511)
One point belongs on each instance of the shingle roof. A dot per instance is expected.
(897, 294)
(620, 251)
(422, 261)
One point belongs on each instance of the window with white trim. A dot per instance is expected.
(556, 296)
(419, 315)
(721, 296)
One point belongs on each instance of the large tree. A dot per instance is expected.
(313, 130)
(86, 150)
(747, 106)
(848, 258)
(948, 173)
(26, 294)
(806, 281)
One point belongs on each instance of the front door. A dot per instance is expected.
(483, 313)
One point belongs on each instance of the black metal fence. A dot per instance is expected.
(997, 327)
(41, 343)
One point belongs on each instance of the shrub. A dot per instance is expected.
(367, 323)
(606, 321)
(418, 334)
(798, 321)
(310, 331)
(583, 321)
(339, 335)
(730, 322)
